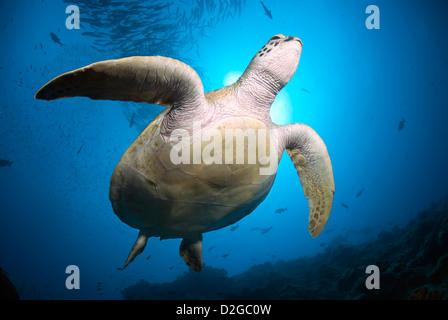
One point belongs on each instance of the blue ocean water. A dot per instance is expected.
(354, 86)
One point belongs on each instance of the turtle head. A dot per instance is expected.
(277, 61)
(268, 72)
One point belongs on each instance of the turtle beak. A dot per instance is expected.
(290, 38)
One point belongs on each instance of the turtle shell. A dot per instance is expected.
(192, 181)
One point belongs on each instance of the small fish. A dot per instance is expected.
(281, 210)
(266, 230)
(254, 228)
(328, 231)
(266, 11)
(225, 255)
(323, 244)
(147, 258)
(234, 228)
(80, 148)
(211, 248)
(344, 205)
(131, 123)
(305, 90)
(360, 193)
(401, 125)
(120, 269)
(5, 163)
(55, 39)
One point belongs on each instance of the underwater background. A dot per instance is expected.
(377, 97)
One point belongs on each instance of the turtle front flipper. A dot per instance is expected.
(153, 79)
(191, 252)
(310, 156)
(138, 247)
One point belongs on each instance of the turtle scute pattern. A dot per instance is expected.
(181, 200)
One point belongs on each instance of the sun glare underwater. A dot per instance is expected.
(371, 81)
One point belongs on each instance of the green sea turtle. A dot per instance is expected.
(198, 166)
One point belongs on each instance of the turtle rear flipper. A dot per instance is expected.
(191, 252)
(138, 247)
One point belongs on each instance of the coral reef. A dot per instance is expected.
(8, 290)
(413, 264)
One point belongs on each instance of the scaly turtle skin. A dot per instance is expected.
(208, 159)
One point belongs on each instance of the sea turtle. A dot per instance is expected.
(198, 166)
